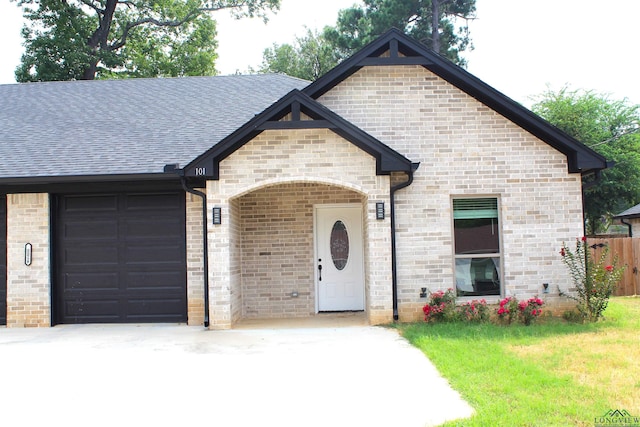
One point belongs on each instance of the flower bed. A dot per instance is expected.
(442, 307)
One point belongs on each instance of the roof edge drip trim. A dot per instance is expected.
(63, 179)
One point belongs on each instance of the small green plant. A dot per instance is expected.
(529, 310)
(508, 310)
(594, 280)
(441, 307)
(474, 311)
(573, 316)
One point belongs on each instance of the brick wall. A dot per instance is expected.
(28, 286)
(297, 166)
(465, 149)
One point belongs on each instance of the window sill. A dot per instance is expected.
(490, 299)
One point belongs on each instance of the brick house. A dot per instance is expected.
(396, 171)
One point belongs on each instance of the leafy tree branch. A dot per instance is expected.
(432, 22)
(87, 39)
(612, 128)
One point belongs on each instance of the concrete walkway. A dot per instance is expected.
(168, 375)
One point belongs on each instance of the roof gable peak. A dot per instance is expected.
(404, 50)
(296, 110)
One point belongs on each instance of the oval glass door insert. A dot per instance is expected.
(339, 244)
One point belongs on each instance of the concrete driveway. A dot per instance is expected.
(169, 375)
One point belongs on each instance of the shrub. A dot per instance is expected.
(441, 306)
(474, 311)
(594, 280)
(508, 310)
(529, 310)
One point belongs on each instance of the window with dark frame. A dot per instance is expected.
(477, 246)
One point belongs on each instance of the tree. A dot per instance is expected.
(432, 22)
(610, 127)
(309, 58)
(85, 39)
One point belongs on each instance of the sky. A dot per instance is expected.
(522, 47)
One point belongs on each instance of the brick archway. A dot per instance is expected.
(274, 247)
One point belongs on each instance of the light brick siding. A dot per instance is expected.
(277, 247)
(465, 149)
(195, 274)
(237, 261)
(263, 186)
(28, 286)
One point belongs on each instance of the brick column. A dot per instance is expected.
(28, 286)
(219, 261)
(378, 257)
(195, 259)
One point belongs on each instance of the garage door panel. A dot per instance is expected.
(91, 255)
(124, 261)
(154, 227)
(106, 230)
(150, 254)
(90, 281)
(157, 280)
(144, 310)
(93, 310)
(153, 202)
(89, 203)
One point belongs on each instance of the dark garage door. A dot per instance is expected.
(3, 259)
(120, 258)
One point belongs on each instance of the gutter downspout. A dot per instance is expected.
(394, 269)
(205, 243)
(628, 226)
(596, 179)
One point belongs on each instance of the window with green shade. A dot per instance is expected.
(476, 230)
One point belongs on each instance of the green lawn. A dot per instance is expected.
(549, 374)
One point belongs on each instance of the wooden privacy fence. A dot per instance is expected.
(628, 251)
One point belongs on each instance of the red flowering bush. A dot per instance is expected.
(441, 306)
(508, 310)
(524, 311)
(529, 310)
(474, 311)
(594, 280)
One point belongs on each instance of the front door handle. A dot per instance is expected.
(319, 270)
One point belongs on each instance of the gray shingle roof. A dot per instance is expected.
(633, 212)
(131, 126)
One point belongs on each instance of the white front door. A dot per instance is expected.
(339, 258)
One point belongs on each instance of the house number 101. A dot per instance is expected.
(200, 171)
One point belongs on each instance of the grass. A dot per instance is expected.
(552, 373)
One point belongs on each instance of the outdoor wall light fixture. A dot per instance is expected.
(546, 288)
(379, 210)
(423, 292)
(28, 248)
(217, 215)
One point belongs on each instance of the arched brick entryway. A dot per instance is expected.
(274, 241)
